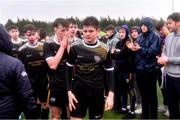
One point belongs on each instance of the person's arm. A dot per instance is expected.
(69, 73)
(109, 71)
(115, 51)
(110, 82)
(24, 90)
(54, 61)
(164, 59)
(154, 48)
(174, 60)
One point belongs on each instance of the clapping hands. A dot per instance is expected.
(133, 46)
(162, 60)
(64, 40)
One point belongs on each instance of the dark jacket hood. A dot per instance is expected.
(5, 41)
(147, 21)
(125, 27)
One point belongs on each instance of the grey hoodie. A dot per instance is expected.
(172, 50)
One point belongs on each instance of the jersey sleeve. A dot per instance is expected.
(21, 56)
(69, 69)
(48, 52)
(109, 71)
(108, 63)
(71, 57)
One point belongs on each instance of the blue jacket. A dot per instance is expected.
(16, 94)
(150, 48)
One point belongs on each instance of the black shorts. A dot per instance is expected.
(58, 98)
(35, 86)
(88, 98)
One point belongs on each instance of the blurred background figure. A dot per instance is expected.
(110, 36)
(134, 33)
(72, 30)
(42, 35)
(163, 31)
(15, 39)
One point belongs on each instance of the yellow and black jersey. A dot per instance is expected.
(33, 59)
(57, 77)
(36, 67)
(16, 46)
(90, 63)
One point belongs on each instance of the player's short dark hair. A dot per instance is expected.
(91, 21)
(159, 25)
(30, 27)
(60, 21)
(71, 21)
(174, 16)
(109, 27)
(12, 27)
(135, 28)
(42, 33)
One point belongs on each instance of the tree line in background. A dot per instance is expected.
(47, 26)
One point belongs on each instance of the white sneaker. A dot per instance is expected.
(138, 111)
(166, 113)
(162, 108)
(128, 107)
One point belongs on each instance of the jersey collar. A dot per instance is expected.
(91, 46)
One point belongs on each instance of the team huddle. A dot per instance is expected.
(71, 73)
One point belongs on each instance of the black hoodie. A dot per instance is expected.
(122, 55)
(16, 93)
(5, 41)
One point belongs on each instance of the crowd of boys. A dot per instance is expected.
(69, 74)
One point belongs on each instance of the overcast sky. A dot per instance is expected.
(48, 10)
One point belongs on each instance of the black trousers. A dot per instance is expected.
(117, 94)
(173, 95)
(146, 82)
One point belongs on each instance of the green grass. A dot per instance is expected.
(112, 115)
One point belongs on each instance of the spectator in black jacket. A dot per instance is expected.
(123, 72)
(16, 94)
(147, 48)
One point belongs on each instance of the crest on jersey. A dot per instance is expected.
(41, 53)
(97, 58)
(24, 73)
(53, 99)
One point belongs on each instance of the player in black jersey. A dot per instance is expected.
(16, 41)
(31, 54)
(56, 53)
(89, 61)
